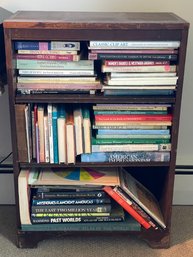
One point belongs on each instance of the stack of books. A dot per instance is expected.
(85, 195)
(130, 132)
(54, 67)
(137, 67)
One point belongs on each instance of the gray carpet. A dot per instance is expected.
(181, 241)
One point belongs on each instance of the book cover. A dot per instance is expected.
(79, 176)
(142, 196)
(127, 207)
(126, 157)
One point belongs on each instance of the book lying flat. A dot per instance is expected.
(77, 176)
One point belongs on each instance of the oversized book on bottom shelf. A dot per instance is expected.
(137, 200)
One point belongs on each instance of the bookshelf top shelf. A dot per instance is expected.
(94, 20)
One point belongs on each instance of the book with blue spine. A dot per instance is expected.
(133, 131)
(46, 45)
(126, 157)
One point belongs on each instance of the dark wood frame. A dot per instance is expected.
(99, 26)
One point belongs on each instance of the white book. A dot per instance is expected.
(78, 124)
(133, 44)
(40, 114)
(61, 126)
(24, 197)
(143, 81)
(50, 133)
(131, 148)
(124, 75)
(46, 139)
(73, 72)
(138, 87)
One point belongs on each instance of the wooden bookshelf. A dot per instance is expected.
(105, 26)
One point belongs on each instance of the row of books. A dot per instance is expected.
(113, 67)
(86, 196)
(60, 133)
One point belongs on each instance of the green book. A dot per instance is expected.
(117, 141)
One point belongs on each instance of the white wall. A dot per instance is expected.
(181, 8)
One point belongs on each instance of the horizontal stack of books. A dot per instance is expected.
(137, 67)
(54, 67)
(130, 132)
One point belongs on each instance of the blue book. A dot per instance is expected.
(76, 201)
(32, 45)
(133, 131)
(55, 133)
(120, 92)
(126, 157)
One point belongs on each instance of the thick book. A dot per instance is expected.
(24, 193)
(70, 137)
(126, 157)
(86, 130)
(133, 63)
(95, 208)
(117, 214)
(129, 224)
(61, 126)
(127, 207)
(142, 81)
(21, 132)
(51, 64)
(142, 196)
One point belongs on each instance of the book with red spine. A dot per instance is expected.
(109, 190)
(63, 57)
(130, 117)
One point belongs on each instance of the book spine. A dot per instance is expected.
(51, 64)
(69, 195)
(52, 72)
(73, 214)
(133, 44)
(114, 141)
(133, 131)
(134, 63)
(131, 147)
(63, 45)
(31, 45)
(155, 68)
(46, 139)
(50, 133)
(40, 113)
(50, 220)
(126, 207)
(128, 117)
(126, 157)
(64, 57)
(69, 201)
(55, 133)
(113, 112)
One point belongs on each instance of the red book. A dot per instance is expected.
(109, 190)
(130, 117)
(59, 57)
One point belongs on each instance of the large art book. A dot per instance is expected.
(77, 176)
(142, 196)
